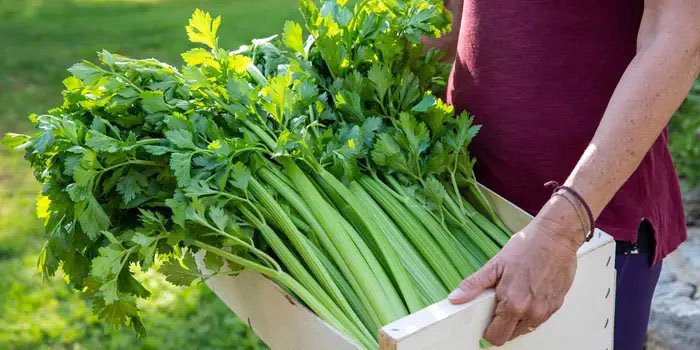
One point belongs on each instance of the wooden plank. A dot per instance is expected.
(514, 217)
(274, 316)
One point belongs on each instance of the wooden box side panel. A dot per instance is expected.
(275, 316)
(515, 218)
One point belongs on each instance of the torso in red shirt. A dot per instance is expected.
(538, 76)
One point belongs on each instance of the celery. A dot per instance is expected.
(422, 239)
(344, 285)
(353, 218)
(401, 257)
(365, 270)
(300, 273)
(463, 258)
(303, 247)
(277, 182)
(482, 241)
(475, 256)
(496, 232)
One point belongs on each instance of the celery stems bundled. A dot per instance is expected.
(320, 158)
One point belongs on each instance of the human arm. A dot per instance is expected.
(651, 89)
(534, 271)
(448, 42)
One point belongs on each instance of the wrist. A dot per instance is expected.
(559, 219)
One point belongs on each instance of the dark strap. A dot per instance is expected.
(556, 187)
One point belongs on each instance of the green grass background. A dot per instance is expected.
(39, 39)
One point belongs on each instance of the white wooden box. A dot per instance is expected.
(585, 321)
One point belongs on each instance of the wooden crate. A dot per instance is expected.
(585, 321)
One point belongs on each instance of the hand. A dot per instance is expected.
(531, 274)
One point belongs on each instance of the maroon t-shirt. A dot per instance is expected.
(538, 76)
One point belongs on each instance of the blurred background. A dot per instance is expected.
(39, 39)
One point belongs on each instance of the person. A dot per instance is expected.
(578, 92)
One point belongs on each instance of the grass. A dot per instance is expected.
(39, 40)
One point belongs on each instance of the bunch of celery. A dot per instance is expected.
(323, 161)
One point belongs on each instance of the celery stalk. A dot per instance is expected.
(302, 246)
(423, 240)
(276, 181)
(419, 266)
(461, 257)
(384, 302)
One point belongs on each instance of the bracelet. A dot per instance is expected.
(559, 190)
(581, 218)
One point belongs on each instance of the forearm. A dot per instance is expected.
(651, 89)
(448, 42)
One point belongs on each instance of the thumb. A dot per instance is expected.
(475, 284)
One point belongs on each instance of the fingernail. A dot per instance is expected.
(457, 294)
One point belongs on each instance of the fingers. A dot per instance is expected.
(511, 309)
(475, 284)
(536, 315)
(523, 327)
(500, 329)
